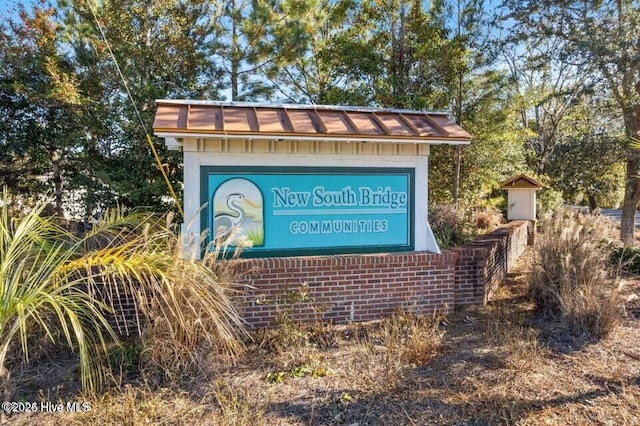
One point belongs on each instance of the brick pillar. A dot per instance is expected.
(531, 232)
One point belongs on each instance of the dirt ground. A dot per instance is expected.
(499, 364)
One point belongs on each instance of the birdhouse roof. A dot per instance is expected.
(522, 181)
(241, 120)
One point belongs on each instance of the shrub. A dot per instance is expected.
(627, 259)
(60, 286)
(548, 200)
(488, 219)
(571, 279)
(40, 296)
(451, 226)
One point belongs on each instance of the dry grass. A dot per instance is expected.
(488, 219)
(502, 364)
(571, 277)
(183, 307)
(411, 339)
(238, 405)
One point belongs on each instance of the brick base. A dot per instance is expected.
(366, 287)
(346, 287)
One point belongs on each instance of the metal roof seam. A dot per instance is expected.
(436, 126)
(350, 122)
(409, 124)
(318, 121)
(380, 124)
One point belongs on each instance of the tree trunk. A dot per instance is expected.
(631, 114)
(630, 203)
(456, 176)
(57, 181)
(592, 202)
(235, 52)
(458, 117)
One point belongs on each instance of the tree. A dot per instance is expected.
(407, 57)
(240, 28)
(41, 104)
(470, 53)
(588, 159)
(308, 52)
(600, 38)
(164, 50)
(496, 150)
(548, 88)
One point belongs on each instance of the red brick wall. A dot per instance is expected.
(346, 287)
(484, 263)
(366, 287)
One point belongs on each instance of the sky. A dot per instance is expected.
(8, 6)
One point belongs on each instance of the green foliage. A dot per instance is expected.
(297, 372)
(307, 51)
(626, 259)
(484, 105)
(548, 200)
(407, 41)
(164, 51)
(597, 41)
(39, 291)
(125, 356)
(41, 102)
(240, 30)
(275, 377)
(71, 132)
(587, 161)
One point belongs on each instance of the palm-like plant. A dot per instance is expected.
(65, 285)
(37, 289)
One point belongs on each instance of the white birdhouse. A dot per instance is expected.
(521, 197)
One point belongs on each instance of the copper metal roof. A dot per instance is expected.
(183, 118)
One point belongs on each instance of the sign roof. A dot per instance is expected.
(189, 118)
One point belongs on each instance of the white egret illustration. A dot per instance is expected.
(238, 206)
(225, 222)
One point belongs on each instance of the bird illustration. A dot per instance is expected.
(225, 222)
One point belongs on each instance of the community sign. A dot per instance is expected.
(309, 210)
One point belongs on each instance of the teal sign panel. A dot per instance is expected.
(294, 210)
